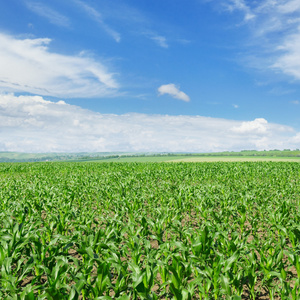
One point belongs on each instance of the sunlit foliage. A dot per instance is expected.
(150, 231)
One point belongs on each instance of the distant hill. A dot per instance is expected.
(32, 157)
(87, 156)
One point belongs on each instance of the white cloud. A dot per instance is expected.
(296, 102)
(289, 6)
(258, 126)
(53, 16)
(275, 38)
(33, 124)
(160, 40)
(94, 14)
(289, 61)
(240, 5)
(133, 20)
(28, 65)
(172, 90)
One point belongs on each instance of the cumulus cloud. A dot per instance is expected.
(174, 91)
(34, 124)
(258, 126)
(28, 65)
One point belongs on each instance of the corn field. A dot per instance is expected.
(150, 230)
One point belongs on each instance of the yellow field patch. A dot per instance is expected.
(232, 159)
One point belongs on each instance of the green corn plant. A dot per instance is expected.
(204, 288)
(57, 282)
(142, 281)
(251, 273)
(183, 225)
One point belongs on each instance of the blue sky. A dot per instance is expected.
(140, 75)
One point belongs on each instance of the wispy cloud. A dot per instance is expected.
(240, 5)
(33, 124)
(160, 40)
(49, 13)
(275, 39)
(133, 20)
(28, 65)
(296, 102)
(97, 17)
(289, 7)
(174, 91)
(289, 60)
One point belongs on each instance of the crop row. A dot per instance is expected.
(150, 231)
